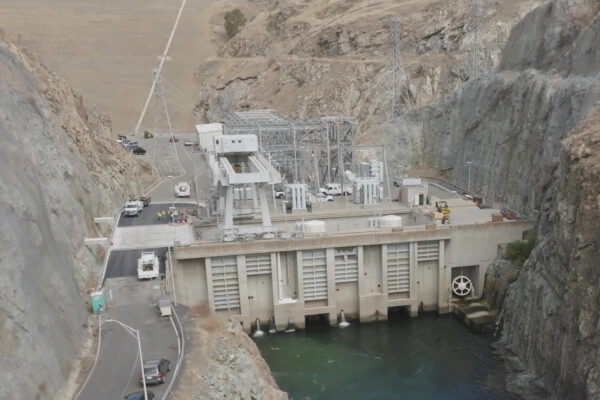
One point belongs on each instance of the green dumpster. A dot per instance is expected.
(97, 301)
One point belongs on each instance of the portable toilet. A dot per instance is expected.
(97, 301)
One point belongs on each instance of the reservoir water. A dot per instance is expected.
(432, 357)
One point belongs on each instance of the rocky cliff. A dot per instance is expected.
(59, 168)
(530, 129)
(510, 122)
(312, 59)
(552, 312)
(222, 362)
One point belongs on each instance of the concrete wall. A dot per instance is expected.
(280, 293)
(372, 270)
(260, 296)
(347, 298)
(190, 281)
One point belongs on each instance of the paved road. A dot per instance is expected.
(117, 368)
(149, 215)
(123, 263)
(177, 161)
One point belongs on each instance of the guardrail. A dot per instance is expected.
(179, 332)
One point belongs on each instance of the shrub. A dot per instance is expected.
(234, 20)
(518, 251)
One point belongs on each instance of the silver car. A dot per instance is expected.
(155, 371)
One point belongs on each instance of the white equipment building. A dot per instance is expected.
(239, 173)
(366, 188)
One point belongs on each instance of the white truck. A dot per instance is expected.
(133, 208)
(182, 189)
(148, 266)
(335, 189)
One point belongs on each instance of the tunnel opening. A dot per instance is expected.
(316, 322)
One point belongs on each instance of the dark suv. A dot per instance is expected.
(139, 396)
(155, 371)
(138, 150)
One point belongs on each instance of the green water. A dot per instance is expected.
(432, 357)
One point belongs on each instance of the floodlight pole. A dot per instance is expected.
(136, 334)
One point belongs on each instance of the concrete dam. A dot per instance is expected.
(261, 257)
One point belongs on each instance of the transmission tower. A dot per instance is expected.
(400, 98)
(475, 57)
(161, 103)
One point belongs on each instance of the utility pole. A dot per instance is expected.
(162, 58)
(136, 335)
(469, 177)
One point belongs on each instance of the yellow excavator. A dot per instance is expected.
(442, 207)
(148, 135)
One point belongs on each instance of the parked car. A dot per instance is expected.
(182, 189)
(188, 143)
(279, 194)
(155, 371)
(139, 396)
(173, 139)
(138, 150)
(146, 200)
(121, 138)
(323, 196)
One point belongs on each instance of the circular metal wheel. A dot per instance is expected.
(461, 286)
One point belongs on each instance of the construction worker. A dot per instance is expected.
(159, 215)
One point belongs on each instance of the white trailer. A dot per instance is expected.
(148, 266)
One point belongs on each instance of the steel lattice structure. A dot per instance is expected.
(476, 57)
(310, 151)
(400, 100)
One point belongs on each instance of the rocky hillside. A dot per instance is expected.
(308, 59)
(531, 132)
(510, 123)
(553, 310)
(59, 168)
(223, 362)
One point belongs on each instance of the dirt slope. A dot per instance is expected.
(109, 48)
(311, 59)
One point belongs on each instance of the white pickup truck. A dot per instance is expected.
(335, 189)
(148, 266)
(133, 208)
(182, 189)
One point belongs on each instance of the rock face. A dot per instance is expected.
(530, 129)
(552, 312)
(223, 363)
(59, 168)
(512, 120)
(329, 58)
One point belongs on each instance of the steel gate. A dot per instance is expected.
(226, 290)
(429, 250)
(398, 267)
(314, 267)
(258, 264)
(346, 264)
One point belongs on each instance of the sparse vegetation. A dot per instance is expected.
(234, 21)
(518, 251)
